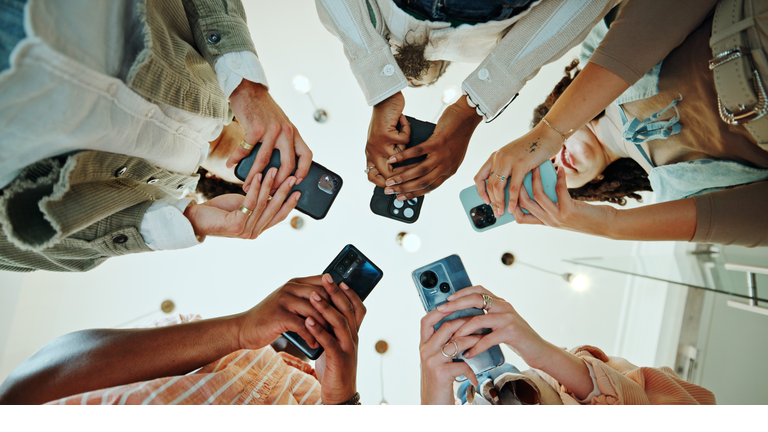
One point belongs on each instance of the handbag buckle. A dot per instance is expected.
(724, 57)
(746, 115)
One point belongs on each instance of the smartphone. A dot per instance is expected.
(435, 282)
(481, 215)
(387, 205)
(318, 190)
(358, 272)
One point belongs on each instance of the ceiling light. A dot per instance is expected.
(451, 94)
(301, 83)
(409, 242)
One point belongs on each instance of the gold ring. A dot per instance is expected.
(245, 145)
(456, 351)
(502, 178)
(245, 210)
(487, 302)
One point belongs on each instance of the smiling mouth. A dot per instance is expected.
(567, 160)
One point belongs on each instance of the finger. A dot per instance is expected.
(284, 143)
(382, 166)
(472, 301)
(405, 130)
(537, 215)
(263, 156)
(357, 304)
(428, 323)
(341, 302)
(457, 369)
(304, 287)
(238, 154)
(541, 197)
(305, 158)
(273, 206)
(323, 337)
(410, 153)
(515, 188)
(481, 177)
(296, 324)
(561, 188)
(443, 335)
(285, 210)
(374, 176)
(417, 177)
(302, 307)
(477, 289)
(483, 345)
(249, 202)
(336, 320)
(261, 203)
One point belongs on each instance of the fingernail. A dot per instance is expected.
(258, 177)
(298, 182)
(467, 356)
(292, 181)
(451, 297)
(298, 195)
(401, 198)
(392, 159)
(248, 186)
(441, 308)
(316, 297)
(391, 182)
(344, 286)
(328, 278)
(273, 172)
(230, 165)
(388, 191)
(310, 321)
(536, 169)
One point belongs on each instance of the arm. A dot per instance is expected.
(543, 35)
(97, 359)
(733, 216)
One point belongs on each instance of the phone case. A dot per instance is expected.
(318, 190)
(387, 205)
(358, 272)
(448, 276)
(481, 215)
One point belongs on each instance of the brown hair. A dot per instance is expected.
(211, 187)
(410, 58)
(622, 179)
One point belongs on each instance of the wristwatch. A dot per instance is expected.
(354, 400)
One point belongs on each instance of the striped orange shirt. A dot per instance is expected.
(246, 377)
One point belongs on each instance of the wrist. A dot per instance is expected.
(550, 140)
(346, 397)
(249, 90)
(191, 213)
(464, 106)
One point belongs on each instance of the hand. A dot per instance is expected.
(503, 320)
(438, 371)
(337, 366)
(384, 140)
(265, 122)
(284, 310)
(220, 216)
(514, 161)
(445, 151)
(566, 213)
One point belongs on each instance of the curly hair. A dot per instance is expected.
(411, 61)
(622, 179)
(211, 187)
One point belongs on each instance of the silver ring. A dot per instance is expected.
(455, 353)
(502, 178)
(487, 303)
(368, 169)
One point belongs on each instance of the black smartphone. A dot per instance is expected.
(435, 283)
(318, 190)
(387, 205)
(358, 272)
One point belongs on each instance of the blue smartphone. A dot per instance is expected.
(358, 272)
(435, 282)
(481, 215)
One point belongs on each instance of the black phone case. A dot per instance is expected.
(318, 190)
(387, 205)
(360, 274)
(451, 270)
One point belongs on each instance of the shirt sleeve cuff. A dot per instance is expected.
(595, 389)
(233, 67)
(164, 226)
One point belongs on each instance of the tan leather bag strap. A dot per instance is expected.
(739, 67)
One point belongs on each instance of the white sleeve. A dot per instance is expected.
(233, 67)
(545, 34)
(595, 390)
(164, 226)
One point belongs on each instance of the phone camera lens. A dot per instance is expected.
(346, 261)
(335, 182)
(351, 256)
(444, 287)
(340, 268)
(428, 279)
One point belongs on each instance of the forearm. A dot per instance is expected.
(567, 369)
(96, 359)
(673, 220)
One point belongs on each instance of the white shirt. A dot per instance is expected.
(62, 93)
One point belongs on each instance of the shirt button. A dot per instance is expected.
(151, 112)
(222, 77)
(180, 187)
(120, 239)
(169, 214)
(483, 74)
(152, 180)
(388, 70)
(112, 89)
(213, 37)
(234, 64)
(120, 171)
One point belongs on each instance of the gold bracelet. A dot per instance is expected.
(565, 138)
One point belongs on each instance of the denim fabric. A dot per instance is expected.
(701, 176)
(473, 11)
(644, 88)
(11, 29)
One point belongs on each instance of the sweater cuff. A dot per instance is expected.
(491, 87)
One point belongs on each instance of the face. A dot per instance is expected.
(582, 157)
(221, 149)
(435, 70)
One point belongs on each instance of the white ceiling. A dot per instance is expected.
(225, 276)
